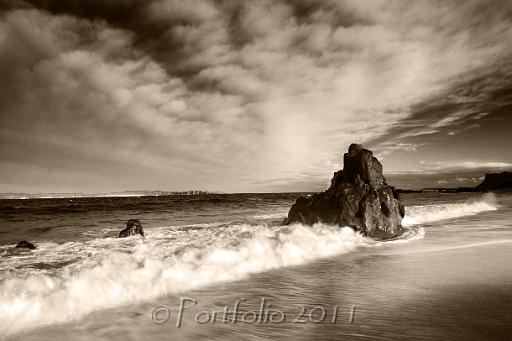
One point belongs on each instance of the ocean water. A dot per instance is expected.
(449, 277)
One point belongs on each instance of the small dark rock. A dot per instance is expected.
(133, 227)
(25, 245)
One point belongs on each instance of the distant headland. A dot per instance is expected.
(492, 181)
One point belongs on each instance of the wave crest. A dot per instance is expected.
(422, 214)
(114, 272)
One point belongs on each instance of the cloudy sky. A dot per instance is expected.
(109, 95)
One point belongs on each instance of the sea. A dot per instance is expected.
(222, 267)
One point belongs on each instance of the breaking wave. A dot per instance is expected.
(279, 215)
(422, 214)
(109, 272)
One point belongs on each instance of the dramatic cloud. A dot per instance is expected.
(240, 95)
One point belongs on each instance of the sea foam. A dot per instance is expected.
(423, 214)
(104, 273)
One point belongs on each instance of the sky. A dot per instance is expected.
(250, 96)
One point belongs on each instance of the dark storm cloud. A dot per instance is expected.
(231, 95)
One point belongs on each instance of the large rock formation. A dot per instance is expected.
(496, 181)
(358, 197)
(133, 227)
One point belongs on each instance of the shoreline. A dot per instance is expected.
(413, 296)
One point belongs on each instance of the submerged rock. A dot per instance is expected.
(358, 197)
(25, 245)
(133, 227)
(496, 181)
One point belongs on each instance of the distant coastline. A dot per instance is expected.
(101, 195)
(492, 181)
(440, 190)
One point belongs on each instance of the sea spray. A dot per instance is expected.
(422, 214)
(105, 273)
